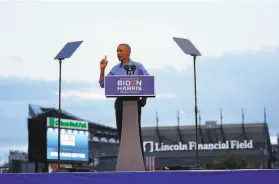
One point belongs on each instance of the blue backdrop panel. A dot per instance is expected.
(169, 177)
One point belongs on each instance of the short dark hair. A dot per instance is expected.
(126, 45)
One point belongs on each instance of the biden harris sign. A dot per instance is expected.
(129, 85)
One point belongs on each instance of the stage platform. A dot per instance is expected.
(163, 177)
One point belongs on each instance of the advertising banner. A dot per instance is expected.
(73, 145)
(67, 123)
(150, 146)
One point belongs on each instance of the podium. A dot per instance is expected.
(130, 153)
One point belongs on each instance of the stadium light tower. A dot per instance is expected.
(188, 48)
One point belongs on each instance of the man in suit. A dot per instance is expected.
(123, 54)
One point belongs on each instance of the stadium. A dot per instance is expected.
(169, 146)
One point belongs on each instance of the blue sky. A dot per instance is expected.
(238, 68)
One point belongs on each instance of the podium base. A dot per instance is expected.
(130, 153)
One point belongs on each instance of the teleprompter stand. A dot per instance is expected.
(188, 48)
(130, 156)
(66, 52)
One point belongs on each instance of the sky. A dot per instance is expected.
(238, 67)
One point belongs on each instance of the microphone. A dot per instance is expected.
(126, 67)
(133, 68)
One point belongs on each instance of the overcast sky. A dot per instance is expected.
(238, 41)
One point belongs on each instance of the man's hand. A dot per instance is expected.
(143, 101)
(103, 63)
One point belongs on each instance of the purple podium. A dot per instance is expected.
(130, 153)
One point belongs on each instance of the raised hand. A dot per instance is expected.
(104, 63)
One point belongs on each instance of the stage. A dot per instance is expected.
(163, 177)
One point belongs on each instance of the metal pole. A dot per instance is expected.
(59, 111)
(196, 114)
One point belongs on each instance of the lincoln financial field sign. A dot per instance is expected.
(151, 146)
